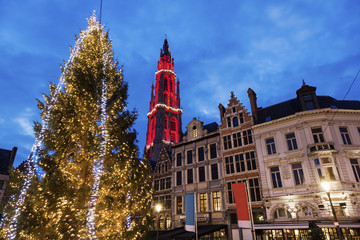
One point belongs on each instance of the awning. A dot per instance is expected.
(282, 226)
(180, 233)
(341, 224)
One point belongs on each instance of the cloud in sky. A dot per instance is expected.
(218, 47)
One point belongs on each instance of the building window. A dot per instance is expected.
(282, 213)
(227, 142)
(275, 176)
(228, 119)
(317, 135)
(203, 202)
(213, 151)
(216, 201)
(229, 192)
(233, 109)
(156, 185)
(298, 174)
(167, 204)
(168, 182)
(250, 160)
(161, 222)
(189, 159)
(162, 184)
(201, 155)
(235, 122)
(325, 168)
(270, 145)
(240, 162)
(178, 179)
(247, 137)
(190, 179)
(178, 160)
(179, 205)
(214, 172)
(309, 104)
(168, 222)
(254, 189)
(237, 139)
(195, 132)
(241, 115)
(359, 130)
(202, 174)
(356, 168)
(345, 135)
(229, 165)
(291, 141)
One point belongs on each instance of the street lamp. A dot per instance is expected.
(326, 187)
(158, 208)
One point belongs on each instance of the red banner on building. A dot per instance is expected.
(241, 203)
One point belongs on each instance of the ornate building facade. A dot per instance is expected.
(301, 143)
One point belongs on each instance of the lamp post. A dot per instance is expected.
(158, 208)
(326, 187)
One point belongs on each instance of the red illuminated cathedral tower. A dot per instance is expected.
(164, 117)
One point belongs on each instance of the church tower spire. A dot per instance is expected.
(164, 117)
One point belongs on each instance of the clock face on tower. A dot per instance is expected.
(164, 116)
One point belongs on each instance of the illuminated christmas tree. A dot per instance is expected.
(93, 184)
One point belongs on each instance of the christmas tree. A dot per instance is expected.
(93, 183)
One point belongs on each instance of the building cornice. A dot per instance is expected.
(304, 114)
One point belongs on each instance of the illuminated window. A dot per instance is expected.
(325, 168)
(168, 222)
(270, 146)
(229, 165)
(216, 201)
(317, 135)
(227, 142)
(161, 222)
(356, 168)
(203, 202)
(247, 137)
(298, 174)
(275, 176)
(345, 135)
(282, 213)
(195, 133)
(237, 139)
(179, 205)
(291, 141)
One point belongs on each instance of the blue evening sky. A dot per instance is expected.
(218, 47)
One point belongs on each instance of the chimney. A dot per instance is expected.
(252, 98)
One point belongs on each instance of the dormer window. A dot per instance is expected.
(309, 102)
(195, 133)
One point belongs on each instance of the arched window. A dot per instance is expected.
(161, 222)
(281, 213)
(165, 84)
(235, 122)
(305, 211)
(195, 132)
(166, 129)
(165, 97)
(155, 223)
(167, 222)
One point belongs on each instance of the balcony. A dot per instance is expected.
(322, 146)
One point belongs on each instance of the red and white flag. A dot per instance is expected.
(241, 203)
